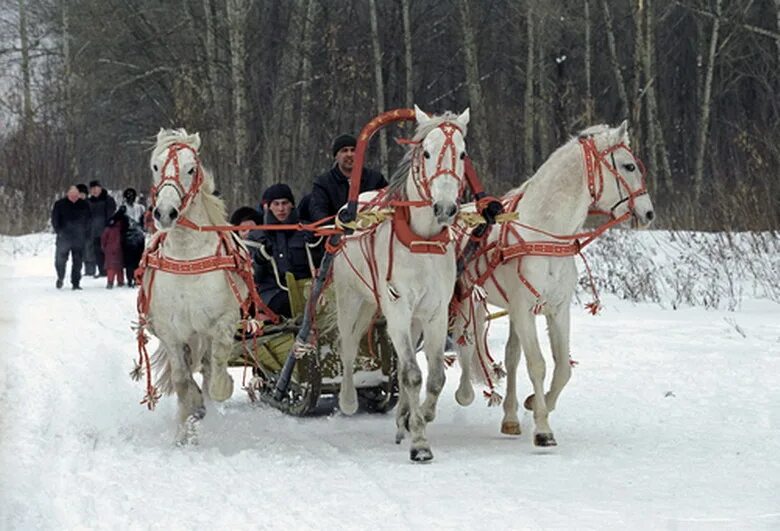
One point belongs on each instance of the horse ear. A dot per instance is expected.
(463, 119)
(196, 141)
(622, 132)
(160, 134)
(421, 116)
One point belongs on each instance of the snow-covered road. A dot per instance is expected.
(671, 420)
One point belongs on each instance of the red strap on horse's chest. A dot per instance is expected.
(436, 244)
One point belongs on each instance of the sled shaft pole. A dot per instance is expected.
(308, 319)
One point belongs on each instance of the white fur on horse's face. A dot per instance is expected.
(444, 188)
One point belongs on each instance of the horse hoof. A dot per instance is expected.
(510, 428)
(399, 436)
(464, 398)
(347, 406)
(221, 387)
(544, 439)
(188, 431)
(429, 416)
(420, 455)
(529, 403)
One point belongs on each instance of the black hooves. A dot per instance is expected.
(544, 439)
(420, 455)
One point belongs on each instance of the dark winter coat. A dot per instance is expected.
(111, 243)
(71, 222)
(289, 252)
(102, 208)
(331, 190)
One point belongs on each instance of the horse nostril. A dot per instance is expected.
(156, 214)
(451, 211)
(436, 210)
(650, 216)
(174, 213)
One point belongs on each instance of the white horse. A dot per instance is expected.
(408, 267)
(190, 289)
(595, 170)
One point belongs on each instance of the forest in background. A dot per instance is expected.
(86, 85)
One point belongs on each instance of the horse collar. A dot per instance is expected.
(436, 244)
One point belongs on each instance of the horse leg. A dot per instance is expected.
(464, 395)
(543, 435)
(410, 381)
(510, 424)
(402, 410)
(435, 338)
(190, 399)
(558, 330)
(354, 317)
(221, 383)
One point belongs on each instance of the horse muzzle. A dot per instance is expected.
(165, 217)
(445, 212)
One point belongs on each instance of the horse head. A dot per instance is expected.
(177, 175)
(616, 177)
(438, 165)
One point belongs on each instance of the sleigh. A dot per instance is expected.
(315, 379)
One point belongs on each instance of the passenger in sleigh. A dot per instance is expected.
(282, 250)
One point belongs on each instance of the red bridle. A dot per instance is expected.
(596, 160)
(422, 181)
(175, 180)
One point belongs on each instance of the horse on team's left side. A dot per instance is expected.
(527, 267)
(194, 287)
(408, 267)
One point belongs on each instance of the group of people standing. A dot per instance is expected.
(92, 232)
(291, 250)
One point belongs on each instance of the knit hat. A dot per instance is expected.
(343, 141)
(95, 183)
(278, 191)
(129, 194)
(82, 188)
(246, 213)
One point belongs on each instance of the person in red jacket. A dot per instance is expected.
(111, 243)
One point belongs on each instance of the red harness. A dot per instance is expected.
(228, 256)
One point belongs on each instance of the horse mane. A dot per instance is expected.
(592, 131)
(213, 205)
(397, 184)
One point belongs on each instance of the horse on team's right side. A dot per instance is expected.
(536, 272)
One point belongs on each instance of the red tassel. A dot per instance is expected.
(449, 360)
(593, 307)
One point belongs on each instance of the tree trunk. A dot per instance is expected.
(588, 60)
(478, 111)
(655, 133)
(304, 122)
(408, 66)
(237, 11)
(379, 83)
(27, 110)
(68, 104)
(215, 87)
(542, 108)
(528, 98)
(615, 61)
(637, 88)
(704, 107)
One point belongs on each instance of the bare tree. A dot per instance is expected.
(614, 60)
(27, 110)
(588, 60)
(471, 62)
(704, 106)
(528, 98)
(237, 13)
(379, 82)
(408, 65)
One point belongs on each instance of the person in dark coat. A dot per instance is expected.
(70, 218)
(133, 242)
(331, 189)
(286, 247)
(111, 245)
(102, 206)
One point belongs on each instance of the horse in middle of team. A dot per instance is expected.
(536, 273)
(408, 269)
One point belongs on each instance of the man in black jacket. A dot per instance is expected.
(102, 207)
(70, 219)
(331, 189)
(286, 247)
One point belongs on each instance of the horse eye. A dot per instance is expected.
(426, 154)
(462, 155)
(192, 170)
(154, 167)
(629, 166)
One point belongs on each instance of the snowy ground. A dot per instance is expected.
(671, 421)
